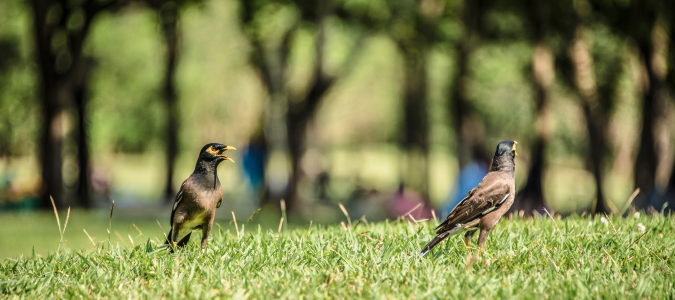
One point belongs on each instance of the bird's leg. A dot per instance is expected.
(482, 238)
(467, 238)
(174, 230)
(206, 228)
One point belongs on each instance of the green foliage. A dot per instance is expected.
(529, 259)
(18, 110)
(500, 90)
(126, 109)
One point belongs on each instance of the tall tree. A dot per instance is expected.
(414, 42)
(81, 97)
(168, 13)
(415, 140)
(597, 96)
(468, 139)
(669, 197)
(270, 55)
(300, 113)
(645, 15)
(639, 21)
(531, 197)
(60, 29)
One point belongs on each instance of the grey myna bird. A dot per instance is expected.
(198, 197)
(484, 205)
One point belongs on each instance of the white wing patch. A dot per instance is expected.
(489, 210)
(178, 198)
(455, 230)
(503, 199)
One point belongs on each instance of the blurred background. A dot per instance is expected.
(383, 106)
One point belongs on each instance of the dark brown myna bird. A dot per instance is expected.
(484, 205)
(198, 197)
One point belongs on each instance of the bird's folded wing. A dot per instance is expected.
(477, 203)
(179, 197)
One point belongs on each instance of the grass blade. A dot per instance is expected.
(234, 218)
(90, 239)
(630, 200)
(58, 221)
(310, 227)
(344, 211)
(283, 210)
(253, 215)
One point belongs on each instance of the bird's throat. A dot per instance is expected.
(207, 173)
(503, 164)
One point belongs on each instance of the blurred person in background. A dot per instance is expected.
(253, 166)
(404, 200)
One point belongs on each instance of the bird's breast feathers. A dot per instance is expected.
(191, 223)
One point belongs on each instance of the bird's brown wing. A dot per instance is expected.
(179, 197)
(478, 202)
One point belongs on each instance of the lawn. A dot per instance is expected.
(533, 259)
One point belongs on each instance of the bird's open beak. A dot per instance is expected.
(514, 147)
(222, 155)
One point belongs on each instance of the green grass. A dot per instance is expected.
(21, 233)
(532, 259)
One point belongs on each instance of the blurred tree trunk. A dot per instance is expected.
(56, 66)
(81, 98)
(652, 88)
(272, 66)
(414, 46)
(531, 197)
(51, 147)
(645, 164)
(300, 113)
(168, 14)
(415, 139)
(271, 58)
(669, 196)
(51, 86)
(596, 114)
(468, 132)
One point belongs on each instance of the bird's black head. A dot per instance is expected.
(504, 159)
(210, 156)
(215, 153)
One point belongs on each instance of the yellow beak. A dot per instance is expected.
(514, 147)
(224, 156)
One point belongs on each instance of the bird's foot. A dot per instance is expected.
(470, 259)
(203, 250)
(467, 244)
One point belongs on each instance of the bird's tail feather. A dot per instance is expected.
(439, 238)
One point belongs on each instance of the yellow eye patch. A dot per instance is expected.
(210, 150)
